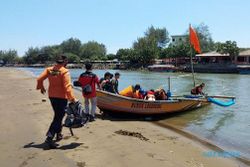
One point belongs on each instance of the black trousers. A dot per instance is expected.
(59, 107)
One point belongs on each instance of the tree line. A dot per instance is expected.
(154, 44)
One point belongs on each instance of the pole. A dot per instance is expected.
(169, 83)
(169, 94)
(192, 65)
(191, 60)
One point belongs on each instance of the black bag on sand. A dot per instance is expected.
(76, 117)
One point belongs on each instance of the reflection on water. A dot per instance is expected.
(226, 127)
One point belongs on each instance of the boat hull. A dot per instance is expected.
(115, 103)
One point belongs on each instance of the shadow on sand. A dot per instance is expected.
(44, 146)
(112, 116)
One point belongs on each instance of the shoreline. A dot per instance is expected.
(199, 68)
(143, 70)
(200, 140)
(97, 144)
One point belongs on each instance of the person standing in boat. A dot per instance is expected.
(198, 90)
(88, 81)
(115, 83)
(60, 91)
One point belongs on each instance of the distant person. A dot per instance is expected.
(115, 83)
(198, 90)
(105, 82)
(131, 91)
(88, 81)
(59, 91)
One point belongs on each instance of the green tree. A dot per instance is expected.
(72, 58)
(93, 50)
(19, 60)
(111, 56)
(31, 56)
(43, 57)
(149, 47)
(9, 56)
(72, 45)
(146, 50)
(166, 52)
(124, 54)
(159, 35)
(229, 47)
(182, 50)
(1, 55)
(51, 52)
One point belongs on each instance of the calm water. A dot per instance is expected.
(228, 127)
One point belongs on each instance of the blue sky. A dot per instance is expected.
(116, 23)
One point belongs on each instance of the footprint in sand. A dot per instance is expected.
(75, 137)
(172, 137)
(81, 164)
(151, 155)
(157, 157)
(34, 104)
(85, 147)
(82, 148)
(66, 137)
(109, 136)
(24, 163)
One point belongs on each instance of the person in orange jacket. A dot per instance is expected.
(131, 91)
(59, 92)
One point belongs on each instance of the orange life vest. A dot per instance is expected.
(59, 82)
(127, 91)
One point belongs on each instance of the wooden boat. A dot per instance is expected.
(116, 103)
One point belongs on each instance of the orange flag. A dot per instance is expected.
(194, 40)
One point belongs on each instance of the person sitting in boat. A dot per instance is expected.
(115, 83)
(150, 95)
(105, 82)
(131, 91)
(198, 90)
(160, 94)
(141, 93)
(105, 77)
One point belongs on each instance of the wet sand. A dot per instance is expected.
(25, 119)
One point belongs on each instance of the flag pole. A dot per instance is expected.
(191, 60)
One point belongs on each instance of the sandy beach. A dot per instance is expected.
(25, 120)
